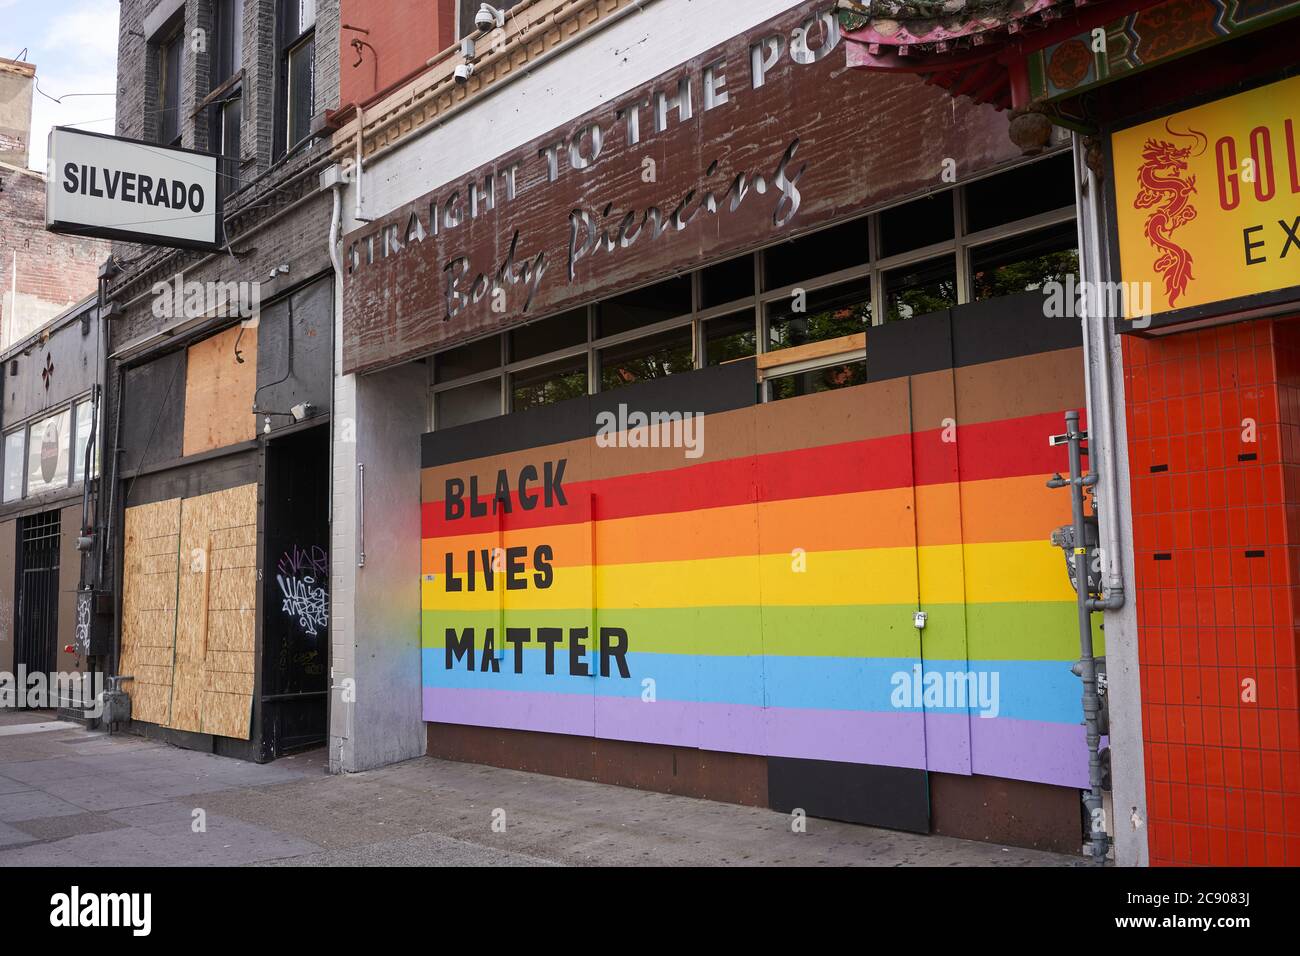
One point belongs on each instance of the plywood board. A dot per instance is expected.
(219, 391)
(150, 538)
(216, 617)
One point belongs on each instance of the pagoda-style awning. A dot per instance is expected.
(1039, 54)
(980, 49)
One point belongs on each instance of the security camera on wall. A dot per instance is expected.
(463, 72)
(489, 17)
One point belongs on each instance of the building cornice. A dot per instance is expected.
(533, 29)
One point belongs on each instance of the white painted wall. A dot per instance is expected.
(375, 625)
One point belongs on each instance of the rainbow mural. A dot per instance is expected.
(760, 598)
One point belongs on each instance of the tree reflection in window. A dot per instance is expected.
(1024, 263)
(929, 286)
(548, 384)
(655, 357)
(817, 316)
(819, 380)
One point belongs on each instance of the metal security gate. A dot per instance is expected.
(38, 592)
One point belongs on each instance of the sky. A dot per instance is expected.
(74, 46)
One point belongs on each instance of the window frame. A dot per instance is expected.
(285, 46)
(63, 408)
(24, 427)
(226, 90)
(760, 302)
(21, 432)
(171, 35)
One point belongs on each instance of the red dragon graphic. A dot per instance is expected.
(1170, 195)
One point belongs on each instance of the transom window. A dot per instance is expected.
(48, 453)
(915, 258)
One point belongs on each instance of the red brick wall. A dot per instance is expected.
(55, 269)
(1217, 564)
(404, 35)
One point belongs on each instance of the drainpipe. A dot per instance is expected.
(1101, 411)
(356, 212)
(335, 179)
(1086, 668)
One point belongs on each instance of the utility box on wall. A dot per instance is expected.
(93, 634)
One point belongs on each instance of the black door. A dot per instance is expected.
(37, 625)
(295, 590)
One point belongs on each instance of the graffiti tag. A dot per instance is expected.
(298, 572)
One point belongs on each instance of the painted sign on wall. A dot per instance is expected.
(1208, 199)
(754, 590)
(657, 177)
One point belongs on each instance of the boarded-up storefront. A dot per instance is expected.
(189, 611)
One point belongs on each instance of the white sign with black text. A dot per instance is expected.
(124, 189)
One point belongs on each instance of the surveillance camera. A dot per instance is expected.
(488, 17)
(463, 72)
(302, 410)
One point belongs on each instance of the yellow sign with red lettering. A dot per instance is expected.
(1208, 200)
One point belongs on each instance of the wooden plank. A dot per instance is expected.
(814, 350)
(219, 391)
(151, 535)
(232, 618)
(216, 623)
(187, 684)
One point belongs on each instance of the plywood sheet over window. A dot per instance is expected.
(219, 391)
(209, 625)
(151, 538)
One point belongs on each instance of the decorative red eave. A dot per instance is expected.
(945, 51)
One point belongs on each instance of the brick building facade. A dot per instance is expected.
(41, 274)
(233, 495)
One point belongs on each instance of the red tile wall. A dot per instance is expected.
(1223, 774)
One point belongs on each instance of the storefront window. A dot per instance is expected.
(469, 403)
(48, 444)
(727, 282)
(831, 250)
(1024, 263)
(816, 316)
(729, 338)
(770, 300)
(655, 357)
(83, 420)
(917, 224)
(1040, 187)
(14, 465)
(548, 384)
(548, 335)
(635, 310)
(928, 286)
(819, 380)
(467, 360)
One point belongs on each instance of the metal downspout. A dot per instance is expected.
(1096, 348)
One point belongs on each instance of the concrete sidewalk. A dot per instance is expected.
(69, 797)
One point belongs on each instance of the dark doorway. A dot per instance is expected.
(38, 593)
(295, 591)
